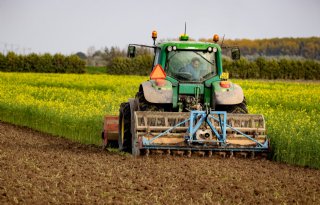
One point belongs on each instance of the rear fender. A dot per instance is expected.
(157, 94)
(228, 96)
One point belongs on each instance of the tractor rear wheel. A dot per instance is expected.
(144, 105)
(240, 108)
(124, 138)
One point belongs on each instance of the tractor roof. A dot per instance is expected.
(188, 44)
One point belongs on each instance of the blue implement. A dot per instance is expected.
(201, 131)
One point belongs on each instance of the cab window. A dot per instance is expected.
(186, 65)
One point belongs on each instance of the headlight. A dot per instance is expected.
(215, 49)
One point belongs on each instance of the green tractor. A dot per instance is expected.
(188, 106)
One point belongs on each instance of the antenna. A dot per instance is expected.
(185, 28)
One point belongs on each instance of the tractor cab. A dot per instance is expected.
(189, 61)
(191, 65)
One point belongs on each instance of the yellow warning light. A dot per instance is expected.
(215, 38)
(154, 35)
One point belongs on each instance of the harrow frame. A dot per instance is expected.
(215, 120)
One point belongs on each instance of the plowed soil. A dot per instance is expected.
(37, 168)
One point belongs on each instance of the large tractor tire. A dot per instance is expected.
(144, 105)
(135, 148)
(240, 108)
(124, 139)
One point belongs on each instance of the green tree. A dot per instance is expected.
(11, 62)
(3, 62)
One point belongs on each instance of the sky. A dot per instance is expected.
(70, 26)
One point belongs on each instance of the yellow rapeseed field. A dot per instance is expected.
(73, 106)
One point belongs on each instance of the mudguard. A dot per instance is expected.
(157, 94)
(228, 96)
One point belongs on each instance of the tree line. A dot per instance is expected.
(308, 48)
(291, 58)
(303, 47)
(273, 68)
(105, 56)
(41, 63)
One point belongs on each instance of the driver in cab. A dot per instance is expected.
(194, 68)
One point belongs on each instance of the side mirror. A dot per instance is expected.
(131, 51)
(235, 53)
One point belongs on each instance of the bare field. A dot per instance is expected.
(37, 168)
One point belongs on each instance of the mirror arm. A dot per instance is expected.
(141, 45)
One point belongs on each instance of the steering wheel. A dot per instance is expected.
(184, 75)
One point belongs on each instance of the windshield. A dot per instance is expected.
(191, 65)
